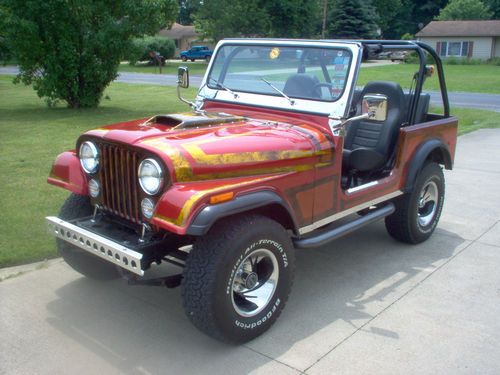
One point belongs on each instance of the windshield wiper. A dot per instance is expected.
(291, 101)
(221, 86)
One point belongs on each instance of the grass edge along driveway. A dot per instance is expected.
(32, 135)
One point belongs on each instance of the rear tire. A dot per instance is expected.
(77, 206)
(238, 277)
(417, 213)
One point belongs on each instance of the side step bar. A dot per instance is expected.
(329, 235)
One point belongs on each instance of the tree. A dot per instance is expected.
(465, 10)
(353, 19)
(293, 18)
(70, 50)
(494, 6)
(412, 16)
(4, 48)
(268, 18)
(387, 11)
(218, 19)
(187, 9)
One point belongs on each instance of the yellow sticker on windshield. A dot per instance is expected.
(274, 54)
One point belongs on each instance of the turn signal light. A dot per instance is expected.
(221, 197)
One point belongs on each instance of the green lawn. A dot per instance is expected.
(469, 78)
(196, 68)
(31, 137)
(33, 134)
(472, 119)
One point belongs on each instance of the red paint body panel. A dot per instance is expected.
(239, 156)
(292, 154)
(67, 173)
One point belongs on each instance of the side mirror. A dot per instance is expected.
(183, 77)
(375, 106)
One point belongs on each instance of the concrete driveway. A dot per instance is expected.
(363, 304)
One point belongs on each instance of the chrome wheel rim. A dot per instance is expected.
(427, 203)
(255, 282)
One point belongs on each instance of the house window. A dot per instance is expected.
(457, 49)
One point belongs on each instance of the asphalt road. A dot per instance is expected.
(364, 304)
(457, 99)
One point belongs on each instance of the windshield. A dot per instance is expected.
(287, 71)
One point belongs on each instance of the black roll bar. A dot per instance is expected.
(419, 47)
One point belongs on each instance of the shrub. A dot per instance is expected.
(494, 61)
(411, 58)
(141, 47)
(70, 50)
(407, 36)
(461, 61)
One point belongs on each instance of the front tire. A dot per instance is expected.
(77, 206)
(184, 58)
(417, 213)
(238, 277)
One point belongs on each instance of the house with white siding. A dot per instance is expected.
(473, 39)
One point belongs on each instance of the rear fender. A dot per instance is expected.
(432, 150)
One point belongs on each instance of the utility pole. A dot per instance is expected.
(325, 8)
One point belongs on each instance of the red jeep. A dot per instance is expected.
(279, 145)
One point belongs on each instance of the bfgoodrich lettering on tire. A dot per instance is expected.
(238, 277)
(417, 213)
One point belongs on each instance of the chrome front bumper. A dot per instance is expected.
(95, 244)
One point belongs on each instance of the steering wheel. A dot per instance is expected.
(317, 92)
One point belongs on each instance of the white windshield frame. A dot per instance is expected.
(336, 109)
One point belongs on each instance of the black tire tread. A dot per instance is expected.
(398, 224)
(202, 266)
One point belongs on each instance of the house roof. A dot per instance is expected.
(178, 31)
(461, 28)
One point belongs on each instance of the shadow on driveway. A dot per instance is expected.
(338, 289)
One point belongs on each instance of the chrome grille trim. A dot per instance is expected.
(95, 244)
(118, 177)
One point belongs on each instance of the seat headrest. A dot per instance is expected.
(301, 85)
(392, 90)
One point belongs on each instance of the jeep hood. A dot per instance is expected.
(209, 146)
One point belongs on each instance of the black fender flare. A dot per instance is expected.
(421, 155)
(208, 215)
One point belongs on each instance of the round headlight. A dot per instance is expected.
(89, 157)
(147, 208)
(94, 188)
(150, 176)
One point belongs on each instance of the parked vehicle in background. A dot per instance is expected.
(197, 53)
(398, 56)
(274, 152)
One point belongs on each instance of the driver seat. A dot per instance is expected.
(301, 85)
(369, 144)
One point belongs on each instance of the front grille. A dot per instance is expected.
(118, 176)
